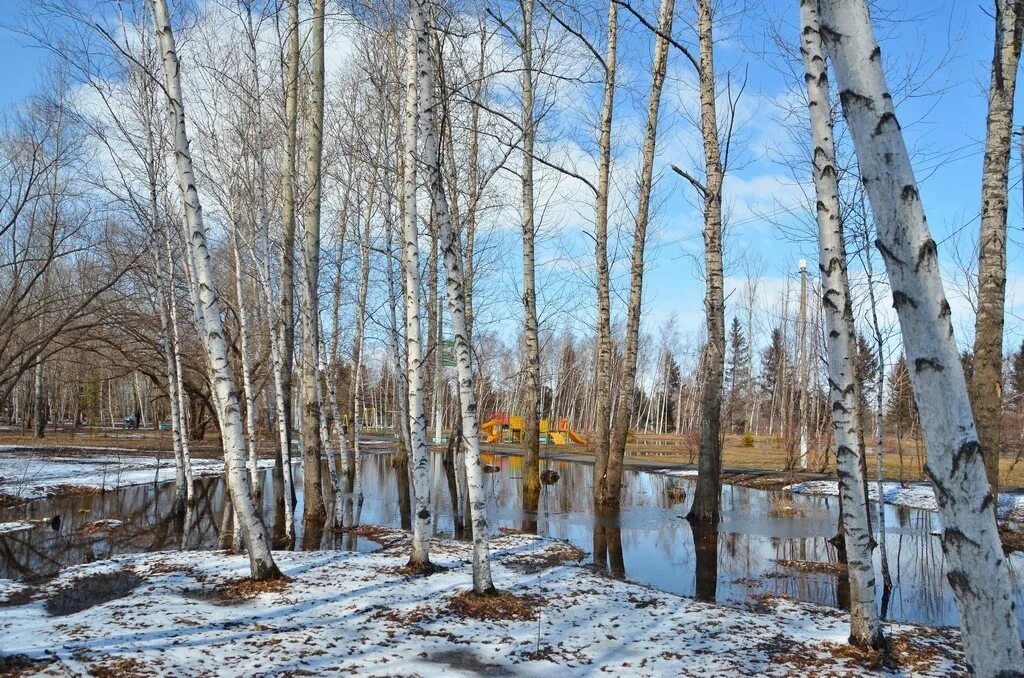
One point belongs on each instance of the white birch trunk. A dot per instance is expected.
(453, 262)
(247, 386)
(182, 422)
(865, 625)
(312, 409)
(803, 336)
(417, 44)
(975, 566)
(180, 496)
(357, 346)
(254, 534)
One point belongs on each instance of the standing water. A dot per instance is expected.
(768, 542)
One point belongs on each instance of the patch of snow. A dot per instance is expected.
(345, 612)
(678, 472)
(36, 477)
(16, 526)
(916, 495)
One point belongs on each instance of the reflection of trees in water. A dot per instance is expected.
(920, 589)
(705, 548)
(757, 530)
(607, 545)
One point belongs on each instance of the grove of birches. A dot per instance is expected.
(293, 231)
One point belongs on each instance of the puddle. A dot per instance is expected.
(768, 542)
(92, 590)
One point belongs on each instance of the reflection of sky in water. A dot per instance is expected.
(758, 528)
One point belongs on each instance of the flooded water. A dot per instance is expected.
(751, 553)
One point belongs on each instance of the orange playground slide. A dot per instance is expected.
(492, 430)
(576, 437)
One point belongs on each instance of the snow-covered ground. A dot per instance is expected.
(35, 477)
(356, 612)
(916, 495)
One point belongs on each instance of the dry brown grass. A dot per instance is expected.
(552, 556)
(235, 590)
(120, 667)
(813, 566)
(768, 453)
(908, 653)
(20, 665)
(1012, 540)
(497, 606)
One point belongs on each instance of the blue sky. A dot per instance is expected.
(22, 61)
(943, 121)
(950, 42)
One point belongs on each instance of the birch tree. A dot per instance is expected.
(453, 261)
(603, 493)
(612, 477)
(975, 567)
(286, 320)
(705, 505)
(531, 337)
(254, 534)
(417, 47)
(865, 626)
(313, 500)
(987, 377)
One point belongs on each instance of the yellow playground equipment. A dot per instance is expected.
(509, 428)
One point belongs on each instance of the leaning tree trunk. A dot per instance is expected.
(418, 44)
(865, 626)
(616, 454)
(987, 375)
(312, 410)
(453, 262)
(709, 464)
(603, 374)
(531, 339)
(254, 534)
(975, 566)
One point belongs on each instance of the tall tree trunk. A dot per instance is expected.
(39, 413)
(975, 566)
(611, 482)
(865, 626)
(603, 374)
(179, 373)
(312, 411)
(261, 562)
(177, 434)
(987, 376)
(247, 385)
(709, 470)
(453, 262)
(357, 346)
(286, 317)
(804, 358)
(531, 338)
(417, 47)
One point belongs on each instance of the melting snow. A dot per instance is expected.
(916, 495)
(33, 477)
(357, 612)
